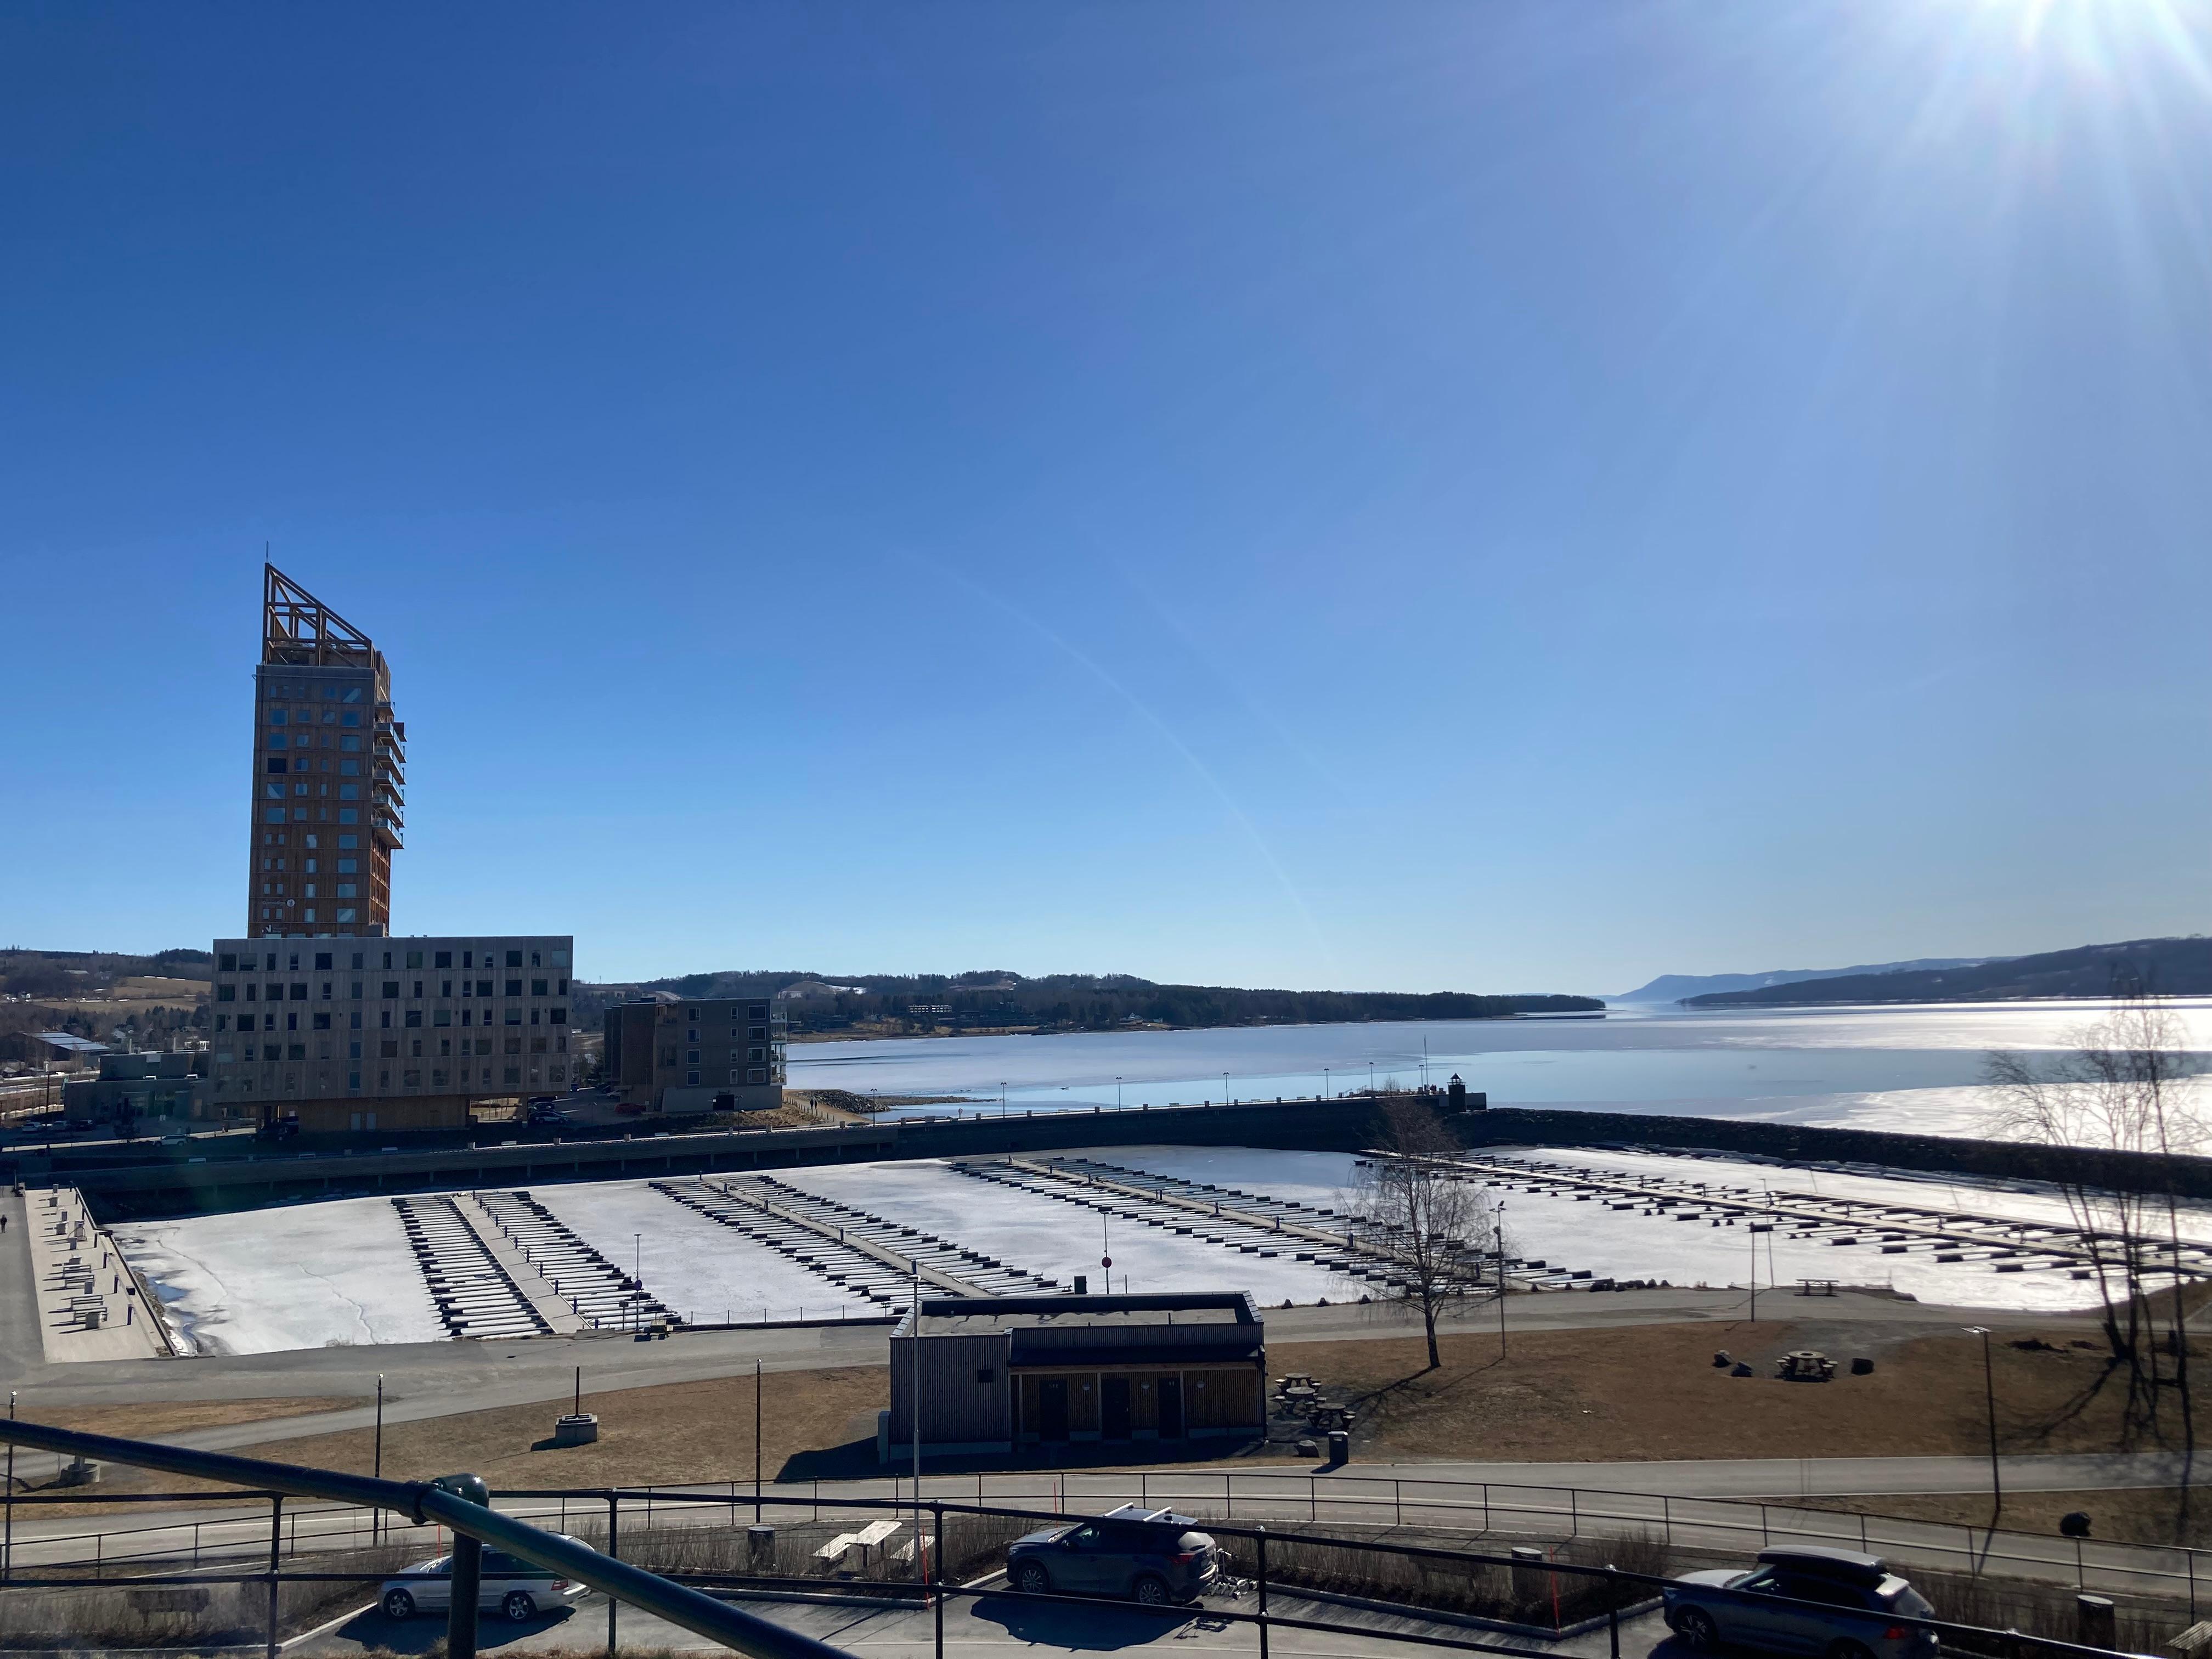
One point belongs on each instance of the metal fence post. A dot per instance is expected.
(276, 1545)
(1313, 1499)
(1574, 1513)
(614, 1548)
(467, 1584)
(937, 1575)
(1259, 1553)
(1397, 1503)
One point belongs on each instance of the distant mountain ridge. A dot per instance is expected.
(995, 1000)
(1677, 988)
(2165, 967)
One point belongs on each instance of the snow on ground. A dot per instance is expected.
(1059, 1239)
(303, 1276)
(704, 1272)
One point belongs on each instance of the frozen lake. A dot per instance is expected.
(344, 1273)
(1907, 1068)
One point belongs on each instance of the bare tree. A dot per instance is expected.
(2129, 1083)
(1420, 1212)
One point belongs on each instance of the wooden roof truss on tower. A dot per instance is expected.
(298, 629)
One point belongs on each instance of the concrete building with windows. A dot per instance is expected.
(999, 1373)
(382, 1034)
(148, 1091)
(723, 1054)
(329, 769)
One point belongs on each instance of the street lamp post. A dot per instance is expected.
(1117, 1094)
(1990, 1396)
(1501, 1278)
(1326, 1085)
(376, 1517)
(1224, 1088)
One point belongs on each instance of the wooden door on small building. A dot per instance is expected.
(1113, 1421)
(1171, 1408)
(1052, 1408)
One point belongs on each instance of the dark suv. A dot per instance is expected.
(1149, 1555)
(1855, 1603)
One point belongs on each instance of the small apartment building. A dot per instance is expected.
(722, 1054)
(387, 1035)
(1000, 1373)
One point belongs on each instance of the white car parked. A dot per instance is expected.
(507, 1584)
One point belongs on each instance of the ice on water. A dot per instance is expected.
(344, 1273)
(302, 1276)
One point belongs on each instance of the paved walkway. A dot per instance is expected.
(87, 1306)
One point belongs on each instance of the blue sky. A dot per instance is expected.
(1499, 496)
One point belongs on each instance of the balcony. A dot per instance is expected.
(386, 831)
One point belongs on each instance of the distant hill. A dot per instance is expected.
(2167, 967)
(1679, 987)
(994, 1000)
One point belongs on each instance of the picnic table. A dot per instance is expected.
(864, 1540)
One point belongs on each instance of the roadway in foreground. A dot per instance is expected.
(987, 1628)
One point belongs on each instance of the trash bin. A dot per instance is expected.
(1340, 1446)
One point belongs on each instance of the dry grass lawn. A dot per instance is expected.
(1652, 1392)
(673, 1433)
(1635, 1393)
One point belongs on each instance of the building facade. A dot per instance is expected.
(386, 1034)
(995, 1373)
(725, 1054)
(145, 1090)
(328, 770)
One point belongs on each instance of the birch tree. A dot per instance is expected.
(1420, 1212)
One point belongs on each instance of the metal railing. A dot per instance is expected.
(462, 1504)
(2088, 1564)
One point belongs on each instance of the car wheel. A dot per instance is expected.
(1152, 1592)
(399, 1604)
(1696, 1628)
(1848, 1649)
(518, 1606)
(1031, 1579)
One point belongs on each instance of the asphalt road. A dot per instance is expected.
(984, 1627)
